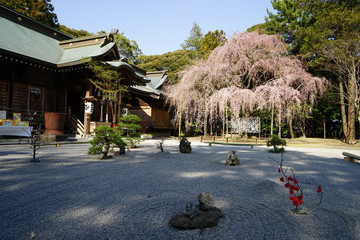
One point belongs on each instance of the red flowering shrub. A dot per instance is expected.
(295, 190)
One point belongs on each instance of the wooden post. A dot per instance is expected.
(101, 110)
(107, 111)
(86, 115)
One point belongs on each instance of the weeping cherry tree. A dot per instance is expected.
(249, 73)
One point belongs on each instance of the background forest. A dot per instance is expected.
(298, 71)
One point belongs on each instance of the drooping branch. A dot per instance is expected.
(250, 72)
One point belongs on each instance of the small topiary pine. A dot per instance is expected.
(275, 141)
(105, 136)
(129, 128)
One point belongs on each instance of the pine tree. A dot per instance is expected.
(194, 40)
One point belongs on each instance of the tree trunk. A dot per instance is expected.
(324, 125)
(180, 115)
(348, 118)
(292, 135)
(205, 119)
(227, 121)
(223, 124)
(279, 121)
(351, 109)
(343, 109)
(272, 122)
(205, 124)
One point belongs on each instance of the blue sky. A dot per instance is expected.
(160, 26)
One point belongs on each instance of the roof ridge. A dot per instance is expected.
(31, 23)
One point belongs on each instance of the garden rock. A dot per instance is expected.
(198, 216)
(185, 146)
(232, 159)
(122, 150)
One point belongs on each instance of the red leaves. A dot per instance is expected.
(292, 184)
(295, 188)
(295, 191)
(297, 200)
(292, 198)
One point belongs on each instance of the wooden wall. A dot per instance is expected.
(160, 118)
(152, 112)
(25, 89)
(4, 89)
(20, 97)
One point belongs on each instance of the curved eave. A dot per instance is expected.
(77, 56)
(151, 88)
(157, 78)
(138, 91)
(135, 75)
(12, 56)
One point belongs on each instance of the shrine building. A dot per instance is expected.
(43, 70)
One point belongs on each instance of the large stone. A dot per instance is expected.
(203, 219)
(185, 146)
(232, 159)
(199, 216)
(182, 222)
(191, 211)
(205, 199)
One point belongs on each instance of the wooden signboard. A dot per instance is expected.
(2, 114)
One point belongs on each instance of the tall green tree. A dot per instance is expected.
(109, 82)
(326, 109)
(173, 62)
(211, 41)
(73, 32)
(290, 20)
(194, 40)
(127, 48)
(40, 10)
(334, 40)
(327, 35)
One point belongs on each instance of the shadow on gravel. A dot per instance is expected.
(71, 195)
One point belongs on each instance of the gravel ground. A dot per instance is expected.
(70, 195)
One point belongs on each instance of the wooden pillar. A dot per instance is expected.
(101, 110)
(11, 93)
(87, 117)
(107, 111)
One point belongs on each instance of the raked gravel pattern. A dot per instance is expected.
(71, 195)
